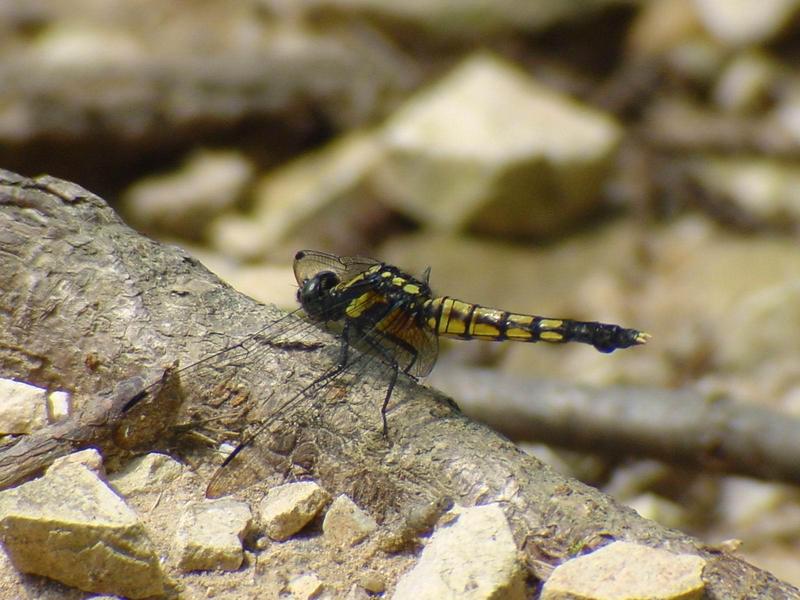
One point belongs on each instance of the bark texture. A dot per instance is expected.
(91, 306)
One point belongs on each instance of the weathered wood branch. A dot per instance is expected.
(680, 427)
(88, 303)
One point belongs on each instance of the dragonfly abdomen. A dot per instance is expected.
(463, 320)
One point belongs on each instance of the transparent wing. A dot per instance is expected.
(308, 263)
(415, 348)
(395, 342)
(250, 345)
(252, 460)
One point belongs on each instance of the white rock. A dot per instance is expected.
(744, 502)
(661, 510)
(626, 571)
(288, 508)
(487, 138)
(303, 200)
(740, 22)
(346, 524)
(472, 557)
(356, 592)
(59, 406)
(148, 473)
(209, 535)
(89, 458)
(745, 82)
(208, 184)
(764, 188)
(305, 587)
(69, 526)
(22, 407)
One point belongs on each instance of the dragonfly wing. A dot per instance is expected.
(415, 348)
(244, 468)
(308, 263)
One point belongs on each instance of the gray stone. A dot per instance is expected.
(148, 473)
(450, 566)
(626, 571)
(209, 535)
(288, 508)
(346, 524)
(489, 148)
(69, 526)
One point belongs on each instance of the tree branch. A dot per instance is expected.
(676, 426)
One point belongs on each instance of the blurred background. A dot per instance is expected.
(623, 161)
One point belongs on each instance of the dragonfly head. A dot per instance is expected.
(314, 295)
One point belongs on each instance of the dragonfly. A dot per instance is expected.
(382, 313)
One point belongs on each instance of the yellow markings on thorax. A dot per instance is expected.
(364, 302)
(402, 282)
(358, 278)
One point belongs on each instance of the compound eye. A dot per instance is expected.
(314, 294)
(317, 287)
(326, 281)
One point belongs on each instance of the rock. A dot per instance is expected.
(288, 508)
(22, 407)
(742, 22)
(69, 526)
(746, 82)
(755, 507)
(305, 587)
(659, 27)
(626, 571)
(89, 458)
(451, 566)
(764, 189)
(59, 406)
(490, 149)
(307, 203)
(356, 592)
(346, 524)
(372, 582)
(209, 535)
(661, 510)
(148, 473)
(183, 202)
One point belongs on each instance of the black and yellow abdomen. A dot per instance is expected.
(466, 321)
